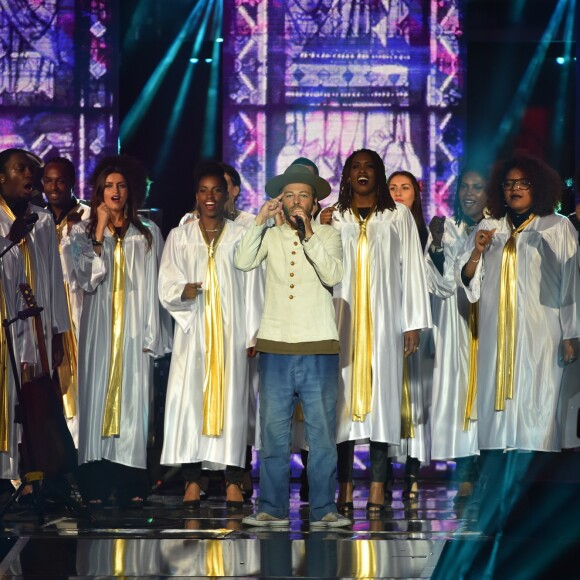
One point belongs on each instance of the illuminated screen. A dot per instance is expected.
(323, 78)
(58, 80)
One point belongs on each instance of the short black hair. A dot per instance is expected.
(67, 163)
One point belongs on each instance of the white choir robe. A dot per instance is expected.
(185, 260)
(69, 273)
(399, 302)
(142, 341)
(22, 338)
(452, 347)
(75, 296)
(48, 279)
(420, 368)
(548, 293)
(245, 219)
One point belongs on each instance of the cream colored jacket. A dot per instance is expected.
(299, 279)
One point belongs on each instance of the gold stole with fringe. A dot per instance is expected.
(362, 333)
(213, 384)
(506, 320)
(112, 414)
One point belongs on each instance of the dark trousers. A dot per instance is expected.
(192, 472)
(379, 458)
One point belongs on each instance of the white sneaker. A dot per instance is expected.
(264, 519)
(331, 520)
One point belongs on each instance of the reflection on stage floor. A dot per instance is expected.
(427, 538)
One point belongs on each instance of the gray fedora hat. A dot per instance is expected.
(298, 174)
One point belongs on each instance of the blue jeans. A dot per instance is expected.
(284, 379)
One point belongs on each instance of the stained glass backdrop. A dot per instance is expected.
(58, 79)
(322, 78)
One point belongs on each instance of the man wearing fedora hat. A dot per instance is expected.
(297, 342)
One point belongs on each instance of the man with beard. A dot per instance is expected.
(298, 359)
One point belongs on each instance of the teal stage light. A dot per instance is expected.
(560, 60)
(520, 100)
(186, 82)
(143, 102)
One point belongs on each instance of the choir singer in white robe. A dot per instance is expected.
(521, 264)
(381, 305)
(454, 405)
(115, 257)
(217, 313)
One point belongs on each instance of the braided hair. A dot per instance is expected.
(384, 198)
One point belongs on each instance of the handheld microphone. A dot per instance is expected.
(300, 224)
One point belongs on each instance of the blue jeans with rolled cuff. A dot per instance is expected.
(313, 380)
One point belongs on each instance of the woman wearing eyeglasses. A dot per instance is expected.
(522, 267)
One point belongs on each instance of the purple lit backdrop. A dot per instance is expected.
(320, 79)
(58, 79)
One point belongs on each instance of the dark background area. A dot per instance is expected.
(501, 37)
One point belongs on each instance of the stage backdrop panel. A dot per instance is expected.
(321, 79)
(59, 80)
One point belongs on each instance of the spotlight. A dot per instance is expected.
(208, 60)
(219, 39)
(194, 60)
(561, 60)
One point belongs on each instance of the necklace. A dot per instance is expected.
(216, 230)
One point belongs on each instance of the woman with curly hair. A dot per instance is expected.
(521, 266)
(115, 254)
(381, 305)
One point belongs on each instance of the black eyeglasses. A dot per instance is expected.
(516, 184)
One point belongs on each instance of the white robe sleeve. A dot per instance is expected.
(473, 290)
(443, 285)
(416, 307)
(89, 266)
(60, 319)
(570, 282)
(172, 281)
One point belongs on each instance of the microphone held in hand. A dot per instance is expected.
(300, 224)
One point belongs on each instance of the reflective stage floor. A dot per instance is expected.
(428, 538)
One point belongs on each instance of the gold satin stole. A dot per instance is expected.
(67, 370)
(4, 407)
(362, 326)
(506, 320)
(470, 408)
(112, 414)
(213, 384)
(407, 426)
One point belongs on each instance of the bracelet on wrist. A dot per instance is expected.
(475, 261)
(96, 242)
